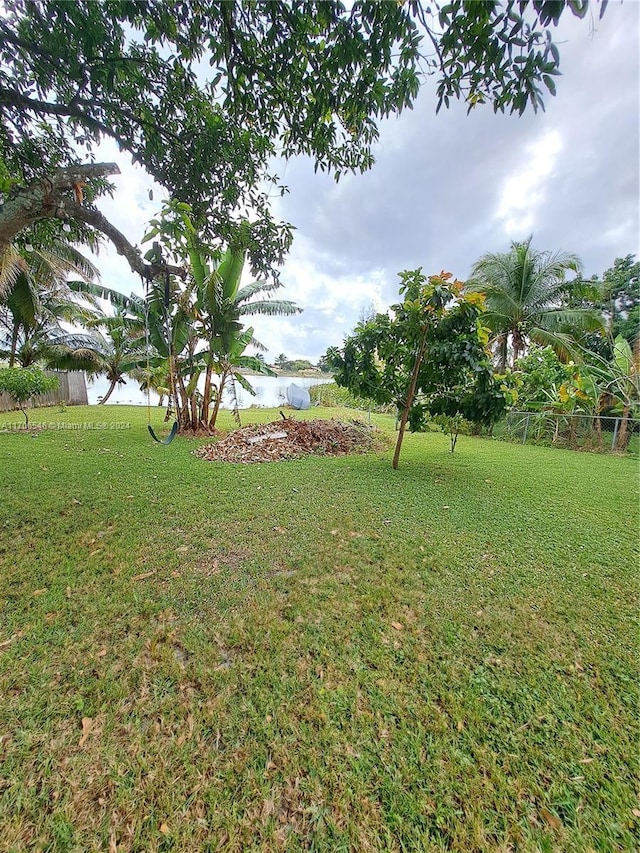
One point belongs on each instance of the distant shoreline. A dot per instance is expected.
(288, 374)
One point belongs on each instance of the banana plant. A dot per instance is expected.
(621, 383)
(228, 369)
(215, 304)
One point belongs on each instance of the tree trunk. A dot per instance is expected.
(599, 430)
(409, 401)
(114, 382)
(193, 405)
(502, 350)
(622, 439)
(206, 398)
(519, 344)
(14, 344)
(178, 392)
(216, 408)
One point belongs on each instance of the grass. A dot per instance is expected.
(318, 655)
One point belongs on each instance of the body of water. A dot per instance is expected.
(271, 391)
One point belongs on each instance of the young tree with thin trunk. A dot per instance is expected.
(24, 383)
(427, 357)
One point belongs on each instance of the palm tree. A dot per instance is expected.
(36, 299)
(527, 294)
(133, 340)
(154, 377)
(122, 351)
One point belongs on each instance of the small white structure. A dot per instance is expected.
(298, 397)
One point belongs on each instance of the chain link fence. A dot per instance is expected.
(575, 432)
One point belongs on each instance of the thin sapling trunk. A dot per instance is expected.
(410, 398)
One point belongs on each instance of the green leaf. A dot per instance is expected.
(623, 356)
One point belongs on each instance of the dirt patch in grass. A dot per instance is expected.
(291, 439)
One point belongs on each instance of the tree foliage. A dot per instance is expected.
(23, 383)
(617, 296)
(295, 365)
(619, 384)
(426, 357)
(39, 310)
(597, 386)
(529, 298)
(195, 326)
(121, 351)
(621, 298)
(538, 374)
(203, 95)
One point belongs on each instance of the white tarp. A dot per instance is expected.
(298, 397)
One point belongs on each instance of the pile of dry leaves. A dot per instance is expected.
(290, 439)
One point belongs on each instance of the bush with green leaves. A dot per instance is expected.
(541, 371)
(23, 383)
(331, 394)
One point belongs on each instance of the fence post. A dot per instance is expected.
(526, 430)
(615, 433)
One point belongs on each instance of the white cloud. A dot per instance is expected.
(331, 305)
(525, 191)
(447, 189)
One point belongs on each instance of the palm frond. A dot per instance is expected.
(272, 308)
(563, 344)
(250, 362)
(250, 290)
(254, 342)
(582, 319)
(132, 304)
(22, 301)
(12, 264)
(525, 290)
(67, 259)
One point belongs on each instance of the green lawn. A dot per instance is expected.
(321, 654)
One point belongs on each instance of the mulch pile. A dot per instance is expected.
(291, 439)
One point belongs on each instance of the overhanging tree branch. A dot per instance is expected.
(93, 217)
(79, 110)
(60, 197)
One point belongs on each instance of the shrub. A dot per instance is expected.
(332, 395)
(23, 383)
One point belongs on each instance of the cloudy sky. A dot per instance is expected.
(445, 189)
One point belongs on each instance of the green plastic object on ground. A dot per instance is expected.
(169, 438)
